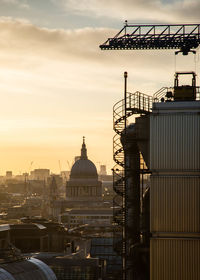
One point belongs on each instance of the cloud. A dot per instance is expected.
(24, 45)
(20, 35)
(27, 40)
(22, 4)
(57, 85)
(138, 10)
(8, 1)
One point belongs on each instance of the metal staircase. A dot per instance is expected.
(134, 104)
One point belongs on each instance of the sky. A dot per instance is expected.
(57, 86)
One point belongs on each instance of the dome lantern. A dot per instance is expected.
(84, 150)
(84, 168)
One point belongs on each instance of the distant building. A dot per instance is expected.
(83, 185)
(74, 267)
(108, 178)
(102, 248)
(77, 217)
(103, 170)
(58, 179)
(30, 207)
(8, 174)
(40, 174)
(54, 208)
(65, 175)
(14, 186)
(13, 265)
(33, 235)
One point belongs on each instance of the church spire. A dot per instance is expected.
(83, 150)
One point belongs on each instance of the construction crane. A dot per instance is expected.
(184, 37)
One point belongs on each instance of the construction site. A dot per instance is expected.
(156, 178)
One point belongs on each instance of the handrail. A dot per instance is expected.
(137, 103)
(161, 93)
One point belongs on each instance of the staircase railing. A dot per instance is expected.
(161, 93)
(136, 103)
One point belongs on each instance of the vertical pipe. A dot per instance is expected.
(139, 100)
(132, 202)
(142, 184)
(125, 96)
(124, 193)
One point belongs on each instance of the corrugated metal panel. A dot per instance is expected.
(175, 141)
(175, 204)
(175, 259)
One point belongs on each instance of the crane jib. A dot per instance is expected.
(184, 37)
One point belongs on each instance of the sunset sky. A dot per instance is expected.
(56, 85)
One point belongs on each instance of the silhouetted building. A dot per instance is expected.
(83, 185)
(34, 235)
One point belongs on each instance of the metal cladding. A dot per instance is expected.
(142, 133)
(175, 142)
(175, 259)
(175, 206)
(175, 190)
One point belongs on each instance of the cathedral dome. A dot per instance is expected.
(83, 168)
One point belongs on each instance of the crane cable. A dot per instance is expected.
(196, 61)
(175, 63)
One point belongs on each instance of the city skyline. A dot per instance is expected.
(57, 85)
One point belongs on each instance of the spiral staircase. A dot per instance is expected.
(136, 104)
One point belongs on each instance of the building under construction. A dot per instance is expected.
(158, 224)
